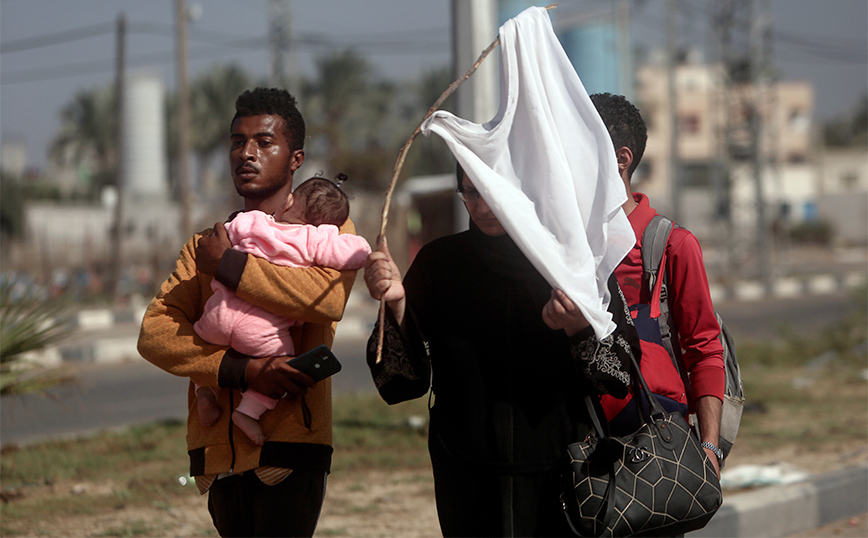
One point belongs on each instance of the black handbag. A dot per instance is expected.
(656, 482)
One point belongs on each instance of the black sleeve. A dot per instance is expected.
(404, 373)
(231, 265)
(230, 268)
(233, 368)
(606, 363)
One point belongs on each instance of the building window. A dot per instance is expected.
(689, 124)
(849, 180)
(798, 120)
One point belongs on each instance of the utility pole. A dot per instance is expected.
(759, 80)
(723, 23)
(116, 256)
(283, 71)
(671, 67)
(625, 49)
(474, 27)
(183, 121)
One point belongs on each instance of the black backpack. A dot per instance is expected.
(654, 241)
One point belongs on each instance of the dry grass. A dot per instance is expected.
(808, 406)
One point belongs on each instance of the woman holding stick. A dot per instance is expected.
(509, 361)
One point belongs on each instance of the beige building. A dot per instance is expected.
(709, 119)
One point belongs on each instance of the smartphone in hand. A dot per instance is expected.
(319, 363)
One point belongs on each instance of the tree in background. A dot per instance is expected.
(348, 117)
(212, 99)
(11, 208)
(212, 106)
(851, 130)
(428, 155)
(87, 136)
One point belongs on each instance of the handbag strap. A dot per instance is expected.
(657, 414)
(656, 420)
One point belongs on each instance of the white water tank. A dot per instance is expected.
(144, 134)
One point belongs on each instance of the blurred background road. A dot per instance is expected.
(113, 388)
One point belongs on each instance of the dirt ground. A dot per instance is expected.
(378, 504)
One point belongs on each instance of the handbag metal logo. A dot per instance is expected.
(639, 454)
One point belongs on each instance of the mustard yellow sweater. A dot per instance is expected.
(317, 296)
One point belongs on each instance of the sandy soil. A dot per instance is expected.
(369, 504)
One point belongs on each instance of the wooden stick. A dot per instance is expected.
(402, 155)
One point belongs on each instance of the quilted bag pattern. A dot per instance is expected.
(656, 482)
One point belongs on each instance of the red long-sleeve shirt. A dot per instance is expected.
(691, 309)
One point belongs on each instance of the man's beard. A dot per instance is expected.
(258, 192)
(250, 191)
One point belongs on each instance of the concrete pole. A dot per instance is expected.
(115, 255)
(474, 27)
(183, 122)
(759, 79)
(625, 50)
(671, 67)
(283, 68)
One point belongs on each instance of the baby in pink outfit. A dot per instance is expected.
(303, 233)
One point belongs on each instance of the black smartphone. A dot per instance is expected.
(319, 363)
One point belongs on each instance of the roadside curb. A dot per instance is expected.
(111, 336)
(821, 284)
(785, 510)
(108, 336)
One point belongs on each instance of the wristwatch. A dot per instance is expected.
(717, 452)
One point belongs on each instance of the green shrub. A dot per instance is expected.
(29, 321)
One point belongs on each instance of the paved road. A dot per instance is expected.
(774, 317)
(107, 396)
(113, 395)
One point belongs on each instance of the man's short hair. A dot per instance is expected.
(273, 102)
(625, 125)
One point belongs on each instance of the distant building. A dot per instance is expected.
(715, 182)
(13, 156)
(144, 138)
(842, 200)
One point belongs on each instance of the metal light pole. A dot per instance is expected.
(115, 256)
(671, 67)
(183, 122)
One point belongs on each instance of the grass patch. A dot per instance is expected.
(135, 528)
(368, 433)
(45, 484)
(808, 393)
(147, 451)
(57, 480)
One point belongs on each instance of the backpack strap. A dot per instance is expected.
(654, 241)
(655, 236)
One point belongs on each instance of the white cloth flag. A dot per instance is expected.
(546, 166)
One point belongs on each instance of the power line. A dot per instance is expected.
(823, 47)
(58, 38)
(92, 67)
(403, 40)
(100, 66)
(379, 45)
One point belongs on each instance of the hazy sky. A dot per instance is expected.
(52, 49)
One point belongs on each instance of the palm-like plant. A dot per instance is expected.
(429, 155)
(347, 113)
(212, 100)
(29, 321)
(88, 134)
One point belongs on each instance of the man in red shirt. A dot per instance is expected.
(689, 296)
